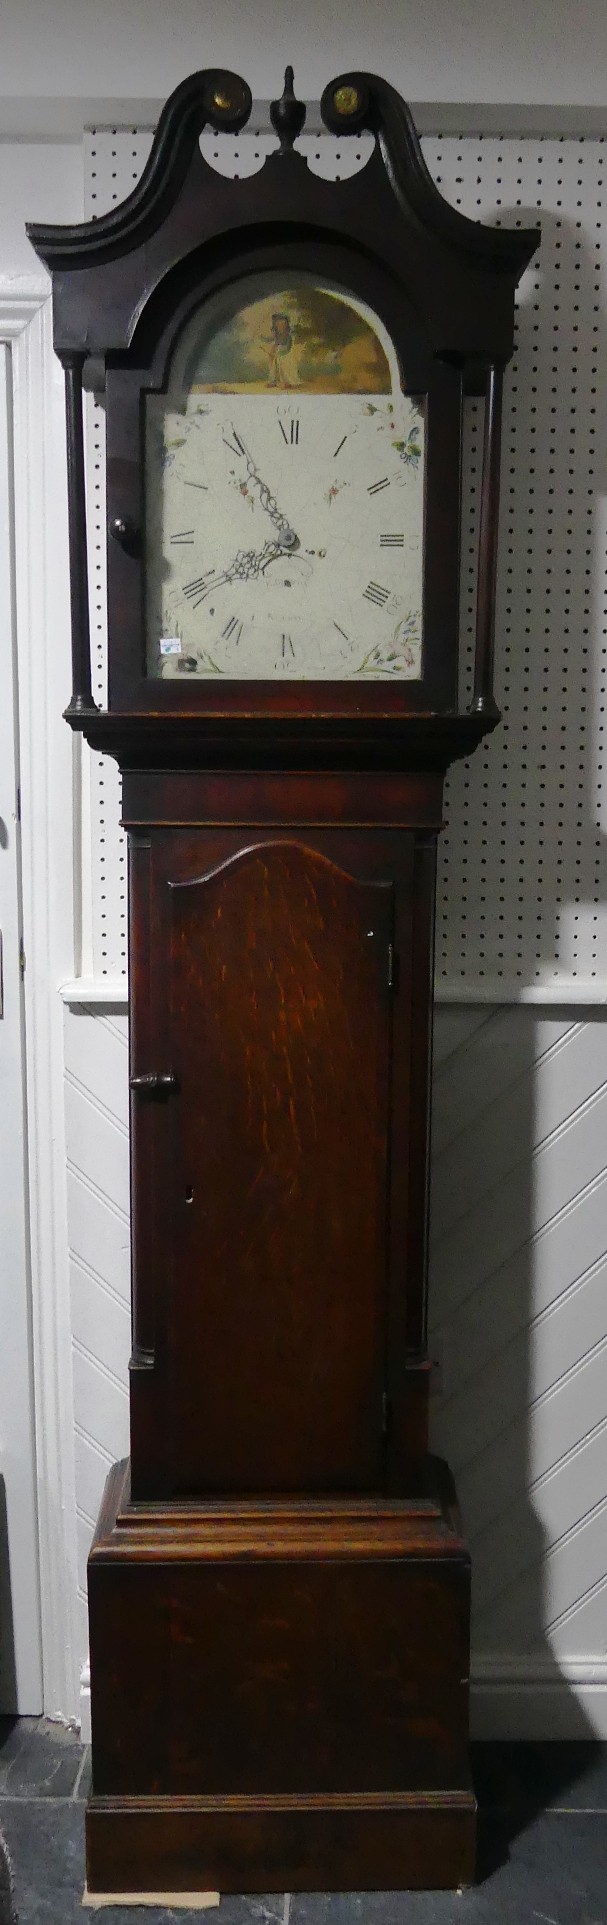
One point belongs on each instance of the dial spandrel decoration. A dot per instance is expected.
(285, 494)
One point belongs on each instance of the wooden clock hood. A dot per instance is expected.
(185, 226)
(462, 274)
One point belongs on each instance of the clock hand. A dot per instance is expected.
(286, 534)
(247, 565)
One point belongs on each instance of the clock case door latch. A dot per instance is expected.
(155, 1083)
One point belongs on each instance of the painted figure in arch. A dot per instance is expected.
(280, 342)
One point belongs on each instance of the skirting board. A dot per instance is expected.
(509, 1698)
(570, 992)
(536, 1698)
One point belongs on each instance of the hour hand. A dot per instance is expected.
(247, 565)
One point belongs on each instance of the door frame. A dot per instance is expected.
(20, 1631)
(47, 855)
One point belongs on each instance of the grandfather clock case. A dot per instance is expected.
(278, 1583)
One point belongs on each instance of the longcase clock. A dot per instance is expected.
(278, 1584)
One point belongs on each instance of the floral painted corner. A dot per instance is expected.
(400, 654)
(409, 447)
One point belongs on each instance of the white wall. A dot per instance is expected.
(31, 176)
(38, 181)
(445, 50)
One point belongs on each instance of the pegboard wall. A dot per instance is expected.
(522, 900)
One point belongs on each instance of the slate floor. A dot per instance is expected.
(543, 1845)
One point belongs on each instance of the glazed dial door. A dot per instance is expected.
(285, 496)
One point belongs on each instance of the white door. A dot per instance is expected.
(20, 1645)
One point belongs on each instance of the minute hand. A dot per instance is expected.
(286, 534)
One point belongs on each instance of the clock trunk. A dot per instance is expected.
(281, 1556)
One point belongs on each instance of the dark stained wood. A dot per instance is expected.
(281, 1676)
(425, 1523)
(287, 114)
(463, 274)
(422, 992)
(82, 694)
(290, 742)
(183, 798)
(483, 702)
(146, 1436)
(383, 112)
(282, 1687)
(382, 858)
(280, 1026)
(225, 1030)
(279, 1590)
(261, 1845)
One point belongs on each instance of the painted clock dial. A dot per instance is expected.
(285, 494)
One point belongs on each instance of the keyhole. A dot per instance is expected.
(189, 1195)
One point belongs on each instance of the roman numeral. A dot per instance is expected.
(232, 630)
(340, 444)
(341, 631)
(292, 438)
(376, 486)
(391, 541)
(197, 484)
(185, 537)
(286, 647)
(196, 590)
(235, 450)
(375, 593)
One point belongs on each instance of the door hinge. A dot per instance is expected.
(392, 966)
(386, 1414)
(21, 959)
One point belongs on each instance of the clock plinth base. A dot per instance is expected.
(279, 1693)
(412, 1842)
